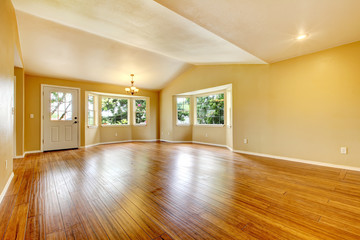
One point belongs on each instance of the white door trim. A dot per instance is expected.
(42, 113)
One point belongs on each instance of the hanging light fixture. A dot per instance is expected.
(132, 89)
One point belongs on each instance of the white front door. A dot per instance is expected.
(60, 118)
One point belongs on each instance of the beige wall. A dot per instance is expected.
(20, 108)
(33, 106)
(306, 107)
(8, 41)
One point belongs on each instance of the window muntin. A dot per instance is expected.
(114, 111)
(210, 109)
(91, 110)
(60, 106)
(183, 110)
(140, 111)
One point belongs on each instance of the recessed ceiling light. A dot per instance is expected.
(302, 36)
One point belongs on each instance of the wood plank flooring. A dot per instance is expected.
(176, 191)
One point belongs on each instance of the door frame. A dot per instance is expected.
(42, 113)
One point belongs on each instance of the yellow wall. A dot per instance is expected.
(8, 41)
(107, 134)
(33, 106)
(306, 107)
(20, 108)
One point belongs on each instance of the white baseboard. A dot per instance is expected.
(196, 142)
(299, 160)
(150, 140)
(231, 149)
(36, 151)
(20, 156)
(210, 144)
(2, 195)
(170, 141)
(124, 141)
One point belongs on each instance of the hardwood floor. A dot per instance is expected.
(176, 191)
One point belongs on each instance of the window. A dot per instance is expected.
(91, 110)
(114, 111)
(183, 111)
(210, 109)
(140, 111)
(61, 106)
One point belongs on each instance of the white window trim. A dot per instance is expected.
(195, 109)
(128, 115)
(176, 117)
(146, 112)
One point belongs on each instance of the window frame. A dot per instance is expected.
(177, 112)
(195, 109)
(128, 111)
(146, 112)
(95, 108)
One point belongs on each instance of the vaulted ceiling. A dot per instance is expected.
(105, 41)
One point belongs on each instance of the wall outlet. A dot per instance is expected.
(343, 150)
(116, 134)
(245, 140)
(31, 115)
(168, 133)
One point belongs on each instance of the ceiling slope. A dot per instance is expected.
(141, 23)
(268, 28)
(54, 50)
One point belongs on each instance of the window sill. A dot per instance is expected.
(117, 125)
(92, 126)
(209, 125)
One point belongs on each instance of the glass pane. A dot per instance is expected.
(140, 118)
(180, 103)
(68, 116)
(140, 105)
(140, 111)
(91, 121)
(183, 108)
(68, 97)
(91, 102)
(114, 111)
(210, 109)
(60, 106)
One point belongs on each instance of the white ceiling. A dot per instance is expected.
(268, 28)
(54, 50)
(105, 41)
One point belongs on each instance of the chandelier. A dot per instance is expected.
(132, 89)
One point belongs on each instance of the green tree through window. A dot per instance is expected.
(210, 109)
(183, 110)
(114, 111)
(61, 106)
(140, 111)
